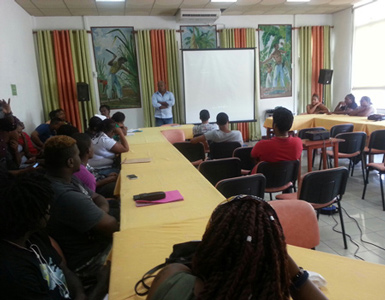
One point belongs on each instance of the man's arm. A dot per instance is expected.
(101, 202)
(107, 225)
(198, 139)
(36, 140)
(73, 283)
(155, 102)
(171, 101)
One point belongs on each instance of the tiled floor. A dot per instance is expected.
(368, 213)
(369, 216)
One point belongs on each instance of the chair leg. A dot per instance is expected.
(382, 193)
(314, 154)
(320, 162)
(271, 196)
(318, 210)
(366, 181)
(342, 223)
(363, 167)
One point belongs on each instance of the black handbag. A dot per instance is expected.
(376, 117)
(181, 253)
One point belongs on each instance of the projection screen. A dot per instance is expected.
(219, 80)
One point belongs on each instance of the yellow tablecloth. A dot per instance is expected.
(137, 250)
(328, 121)
(168, 170)
(151, 134)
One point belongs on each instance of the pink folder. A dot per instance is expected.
(171, 196)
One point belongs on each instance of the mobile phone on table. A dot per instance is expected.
(132, 176)
(35, 165)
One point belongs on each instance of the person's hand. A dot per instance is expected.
(113, 174)
(14, 145)
(6, 106)
(31, 160)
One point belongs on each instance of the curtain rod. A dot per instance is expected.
(180, 30)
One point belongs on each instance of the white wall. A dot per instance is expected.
(18, 64)
(342, 44)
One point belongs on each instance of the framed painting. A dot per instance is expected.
(117, 67)
(199, 37)
(275, 71)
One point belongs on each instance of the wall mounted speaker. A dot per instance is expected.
(83, 92)
(325, 76)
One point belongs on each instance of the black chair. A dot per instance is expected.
(195, 153)
(352, 148)
(302, 135)
(376, 146)
(280, 176)
(248, 185)
(322, 189)
(341, 128)
(223, 149)
(247, 163)
(218, 169)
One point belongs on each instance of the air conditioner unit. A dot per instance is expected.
(202, 15)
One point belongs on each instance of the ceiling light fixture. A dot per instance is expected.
(223, 0)
(297, 0)
(110, 0)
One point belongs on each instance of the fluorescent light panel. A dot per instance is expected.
(110, 0)
(223, 0)
(297, 0)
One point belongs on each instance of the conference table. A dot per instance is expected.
(328, 121)
(148, 233)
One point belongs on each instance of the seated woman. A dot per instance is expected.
(366, 108)
(316, 106)
(346, 106)
(242, 256)
(106, 148)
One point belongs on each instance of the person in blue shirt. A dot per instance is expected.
(45, 131)
(163, 101)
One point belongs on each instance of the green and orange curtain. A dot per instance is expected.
(158, 57)
(64, 60)
(314, 55)
(242, 38)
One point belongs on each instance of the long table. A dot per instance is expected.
(148, 233)
(328, 121)
(137, 250)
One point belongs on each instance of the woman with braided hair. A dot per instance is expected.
(242, 256)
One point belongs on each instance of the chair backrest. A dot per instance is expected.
(299, 222)
(320, 187)
(341, 128)
(243, 153)
(192, 152)
(302, 132)
(174, 135)
(377, 140)
(354, 142)
(218, 169)
(248, 185)
(278, 173)
(223, 149)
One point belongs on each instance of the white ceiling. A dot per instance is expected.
(170, 7)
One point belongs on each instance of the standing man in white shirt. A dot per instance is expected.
(163, 101)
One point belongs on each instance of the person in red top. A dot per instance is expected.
(281, 146)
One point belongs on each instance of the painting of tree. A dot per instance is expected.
(116, 65)
(199, 37)
(275, 47)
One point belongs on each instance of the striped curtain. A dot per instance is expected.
(242, 38)
(158, 56)
(64, 59)
(314, 53)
